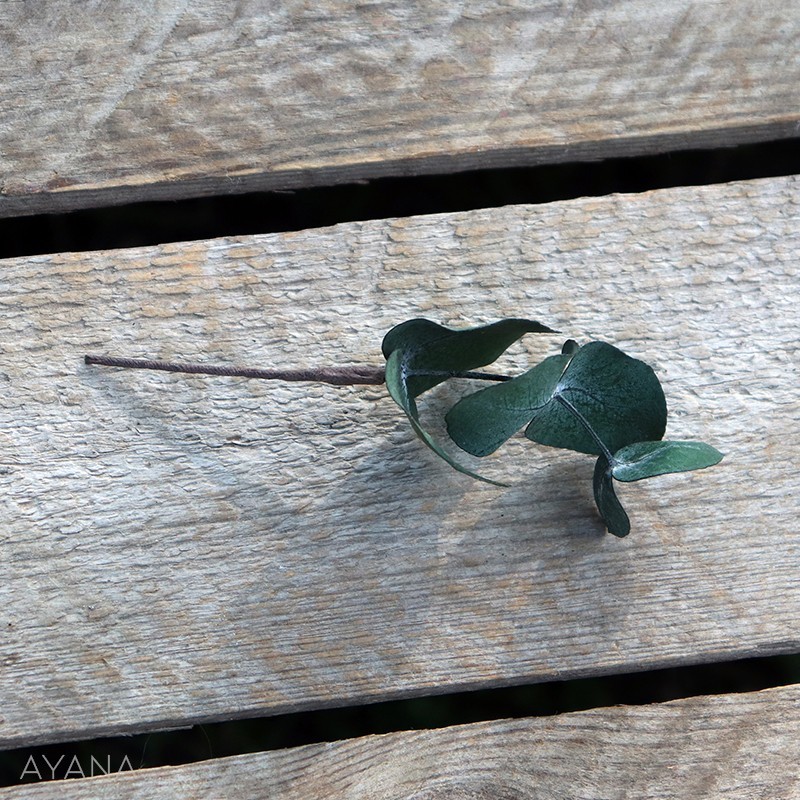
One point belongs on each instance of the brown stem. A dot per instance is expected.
(338, 376)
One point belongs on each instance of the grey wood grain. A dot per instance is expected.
(179, 548)
(168, 99)
(739, 746)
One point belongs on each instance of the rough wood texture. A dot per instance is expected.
(181, 548)
(740, 745)
(145, 100)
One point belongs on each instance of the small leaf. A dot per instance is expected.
(432, 353)
(608, 504)
(396, 384)
(646, 459)
(479, 423)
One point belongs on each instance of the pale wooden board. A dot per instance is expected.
(175, 549)
(737, 745)
(141, 100)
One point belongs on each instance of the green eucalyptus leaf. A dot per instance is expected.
(608, 504)
(421, 354)
(593, 399)
(398, 390)
(619, 397)
(479, 423)
(646, 459)
(432, 353)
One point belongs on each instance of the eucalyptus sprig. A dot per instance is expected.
(592, 399)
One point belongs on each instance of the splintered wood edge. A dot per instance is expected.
(148, 112)
(742, 745)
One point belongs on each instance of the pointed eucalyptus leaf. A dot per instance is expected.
(432, 353)
(398, 390)
(479, 423)
(646, 459)
(608, 504)
(618, 397)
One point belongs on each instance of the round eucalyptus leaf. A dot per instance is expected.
(593, 399)
(602, 390)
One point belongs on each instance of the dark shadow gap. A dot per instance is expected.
(222, 739)
(268, 212)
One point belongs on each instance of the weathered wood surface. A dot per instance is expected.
(180, 548)
(738, 745)
(146, 100)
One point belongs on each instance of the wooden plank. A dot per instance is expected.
(736, 745)
(180, 548)
(136, 101)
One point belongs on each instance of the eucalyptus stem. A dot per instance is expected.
(337, 376)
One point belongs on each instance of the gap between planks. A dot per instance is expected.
(737, 745)
(207, 98)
